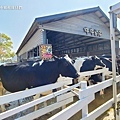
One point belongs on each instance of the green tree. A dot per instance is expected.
(6, 46)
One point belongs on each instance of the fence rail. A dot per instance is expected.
(64, 96)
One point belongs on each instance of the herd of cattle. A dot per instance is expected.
(29, 74)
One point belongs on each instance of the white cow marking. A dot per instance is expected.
(78, 63)
(40, 63)
(98, 67)
(68, 59)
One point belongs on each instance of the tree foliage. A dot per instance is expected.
(6, 46)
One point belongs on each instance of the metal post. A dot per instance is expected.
(112, 38)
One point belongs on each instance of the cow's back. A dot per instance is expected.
(25, 75)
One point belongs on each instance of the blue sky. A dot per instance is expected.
(16, 23)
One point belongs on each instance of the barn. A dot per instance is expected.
(77, 33)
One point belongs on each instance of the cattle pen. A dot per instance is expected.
(64, 96)
(61, 104)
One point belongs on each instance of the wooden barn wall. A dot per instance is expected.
(34, 41)
(75, 25)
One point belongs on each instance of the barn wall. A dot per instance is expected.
(75, 25)
(34, 41)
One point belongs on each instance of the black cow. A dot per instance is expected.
(17, 77)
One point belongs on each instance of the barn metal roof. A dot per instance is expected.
(57, 17)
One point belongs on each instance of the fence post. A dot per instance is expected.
(103, 79)
(81, 96)
(103, 76)
(64, 106)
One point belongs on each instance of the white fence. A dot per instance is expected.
(63, 97)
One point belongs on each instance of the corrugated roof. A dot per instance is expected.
(57, 17)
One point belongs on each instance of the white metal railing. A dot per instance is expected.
(86, 95)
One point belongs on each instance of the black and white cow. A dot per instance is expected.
(25, 75)
(19, 76)
(87, 64)
(108, 63)
(107, 59)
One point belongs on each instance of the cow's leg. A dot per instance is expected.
(89, 82)
(102, 92)
(36, 97)
(3, 109)
(2, 92)
(43, 94)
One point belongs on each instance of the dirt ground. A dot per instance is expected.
(99, 100)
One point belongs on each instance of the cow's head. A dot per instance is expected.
(97, 62)
(66, 68)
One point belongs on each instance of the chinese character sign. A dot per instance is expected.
(46, 51)
(92, 31)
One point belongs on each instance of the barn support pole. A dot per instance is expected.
(112, 38)
(43, 35)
